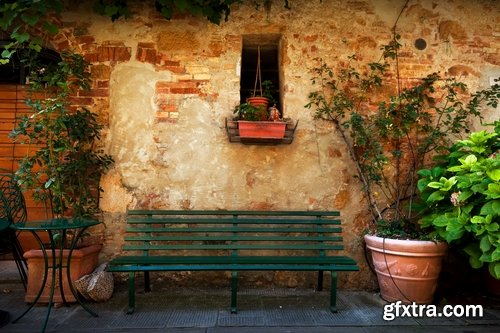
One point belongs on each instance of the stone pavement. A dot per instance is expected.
(192, 310)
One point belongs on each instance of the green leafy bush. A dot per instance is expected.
(63, 167)
(462, 198)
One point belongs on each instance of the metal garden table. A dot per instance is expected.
(57, 229)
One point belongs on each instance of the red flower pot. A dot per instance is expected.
(258, 101)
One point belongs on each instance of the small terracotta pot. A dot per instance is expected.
(258, 101)
(407, 270)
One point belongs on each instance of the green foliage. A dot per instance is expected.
(213, 10)
(246, 111)
(19, 18)
(461, 196)
(63, 168)
(391, 141)
(267, 91)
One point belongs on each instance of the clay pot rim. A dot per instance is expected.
(382, 244)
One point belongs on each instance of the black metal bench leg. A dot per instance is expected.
(147, 284)
(131, 292)
(320, 281)
(234, 292)
(333, 293)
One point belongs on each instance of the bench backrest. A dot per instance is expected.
(232, 232)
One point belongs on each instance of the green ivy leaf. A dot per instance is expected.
(424, 172)
(7, 54)
(485, 257)
(466, 194)
(495, 256)
(485, 244)
(437, 171)
(20, 37)
(477, 219)
(474, 253)
(436, 185)
(29, 19)
(494, 269)
(493, 191)
(492, 227)
(441, 221)
(435, 196)
(50, 28)
(422, 184)
(494, 174)
(491, 208)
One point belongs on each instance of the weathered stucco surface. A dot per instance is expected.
(164, 89)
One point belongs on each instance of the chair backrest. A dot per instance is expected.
(12, 204)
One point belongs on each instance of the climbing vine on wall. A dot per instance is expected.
(213, 10)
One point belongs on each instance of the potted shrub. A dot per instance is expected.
(461, 198)
(388, 144)
(63, 166)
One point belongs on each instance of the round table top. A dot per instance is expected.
(55, 224)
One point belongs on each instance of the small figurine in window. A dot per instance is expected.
(274, 113)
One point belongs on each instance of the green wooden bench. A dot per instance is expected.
(166, 240)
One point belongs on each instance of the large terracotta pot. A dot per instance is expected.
(407, 270)
(83, 261)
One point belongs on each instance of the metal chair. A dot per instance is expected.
(12, 210)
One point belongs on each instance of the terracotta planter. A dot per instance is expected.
(258, 101)
(407, 270)
(83, 261)
(29, 242)
(261, 129)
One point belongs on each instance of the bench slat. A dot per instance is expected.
(311, 229)
(233, 212)
(217, 238)
(232, 247)
(235, 267)
(198, 220)
(158, 260)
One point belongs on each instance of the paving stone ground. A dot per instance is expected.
(201, 310)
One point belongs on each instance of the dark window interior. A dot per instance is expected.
(269, 65)
(15, 71)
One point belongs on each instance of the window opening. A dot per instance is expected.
(15, 71)
(269, 65)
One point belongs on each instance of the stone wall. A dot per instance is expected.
(163, 90)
